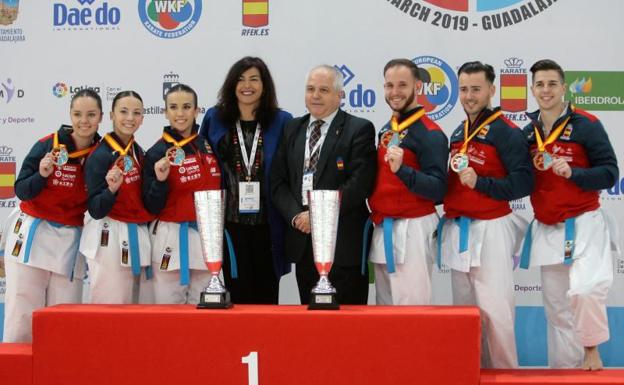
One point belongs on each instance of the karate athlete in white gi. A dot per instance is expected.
(571, 238)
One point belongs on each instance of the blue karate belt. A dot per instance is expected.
(464, 236)
(31, 236)
(233, 264)
(388, 248)
(568, 244)
(135, 254)
(367, 228)
(184, 252)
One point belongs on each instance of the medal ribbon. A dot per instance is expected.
(468, 138)
(396, 127)
(541, 145)
(122, 151)
(72, 155)
(169, 139)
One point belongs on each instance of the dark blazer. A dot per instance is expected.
(347, 162)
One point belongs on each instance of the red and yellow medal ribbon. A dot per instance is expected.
(169, 139)
(113, 143)
(554, 134)
(72, 155)
(396, 127)
(468, 138)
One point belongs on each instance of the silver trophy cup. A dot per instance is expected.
(324, 211)
(210, 211)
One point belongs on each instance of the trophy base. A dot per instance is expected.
(323, 301)
(214, 300)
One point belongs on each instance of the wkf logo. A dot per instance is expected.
(7, 172)
(255, 13)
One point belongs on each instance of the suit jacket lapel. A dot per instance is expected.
(299, 150)
(333, 134)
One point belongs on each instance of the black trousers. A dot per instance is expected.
(256, 282)
(351, 286)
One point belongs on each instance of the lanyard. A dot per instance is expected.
(468, 138)
(248, 161)
(554, 134)
(169, 139)
(76, 154)
(397, 128)
(122, 151)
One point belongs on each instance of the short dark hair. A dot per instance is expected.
(547, 65)
(473, 67)
(87, 93)
(227, 104)
(124, 94)
(182, 88)
(405, 63)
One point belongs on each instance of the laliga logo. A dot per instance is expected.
(358, 97)
(86, 16)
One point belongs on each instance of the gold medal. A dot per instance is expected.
(176, 155)
(459, 162)
(60, 156)
(124, 161)
(543, 160)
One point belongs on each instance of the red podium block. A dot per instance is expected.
(16, 364)
(100, 344)
(551, 377)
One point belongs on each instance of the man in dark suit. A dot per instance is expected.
(326, 149)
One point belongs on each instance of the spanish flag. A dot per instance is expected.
(7, 180)
(513, 92)
(255, 13)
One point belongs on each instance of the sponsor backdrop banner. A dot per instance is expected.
(50, 50)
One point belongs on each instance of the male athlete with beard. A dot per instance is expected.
(479, 233)
(411, 160)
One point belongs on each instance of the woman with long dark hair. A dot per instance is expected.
(244, 129)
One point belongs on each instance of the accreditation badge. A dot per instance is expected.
(248, 197)
(542, 160)
(459, 162)
(306, 185)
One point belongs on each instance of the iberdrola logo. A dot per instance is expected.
(170, 19)
(581, 86)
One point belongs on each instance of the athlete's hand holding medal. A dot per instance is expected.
(46, 165)
(114, 178)
(162, 167)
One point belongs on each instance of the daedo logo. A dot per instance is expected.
(356, 97)
(440, 87)
(170, 19)
(463, 15)
(101, 16)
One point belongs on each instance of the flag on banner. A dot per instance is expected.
(513, 92)
(255, 13)
(7, 179)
